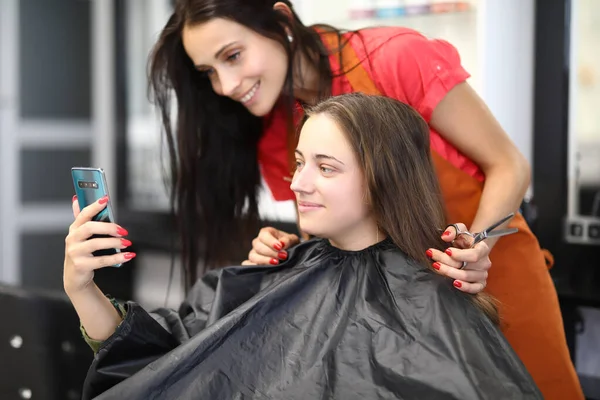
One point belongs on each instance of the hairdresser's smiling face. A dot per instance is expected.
(329, 186)
(240, 63)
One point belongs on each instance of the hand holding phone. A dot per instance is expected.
(94, 240)
(90, 186)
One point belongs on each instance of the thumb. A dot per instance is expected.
(75, 206)
(461, 241)
(451, 232)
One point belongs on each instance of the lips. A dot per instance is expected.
(305, 206)
(250, 94)
(308, 204)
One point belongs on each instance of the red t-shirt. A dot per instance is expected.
(404, 65)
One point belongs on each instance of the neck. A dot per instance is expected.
(357, 240)
(306, 80)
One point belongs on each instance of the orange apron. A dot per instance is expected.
(519, 278)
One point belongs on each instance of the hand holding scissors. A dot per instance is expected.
(467, 249)
(486, 233)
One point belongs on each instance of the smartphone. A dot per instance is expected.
(90, 186)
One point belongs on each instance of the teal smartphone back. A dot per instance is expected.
(90, 186)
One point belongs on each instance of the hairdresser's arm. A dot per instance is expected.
(463, 119)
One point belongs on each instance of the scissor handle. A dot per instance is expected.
(486, 233)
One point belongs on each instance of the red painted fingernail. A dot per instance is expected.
(103, 200)
(449, 252)
(277, 246)
(125, 242)
(457, 284)
(429, 253)
(74, 198)
(273, 261)
(282, 245)
(446, 233)
(129, 256)
(282, 255)
(437, 265)
(122, 231)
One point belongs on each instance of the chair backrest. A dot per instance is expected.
(42, 353)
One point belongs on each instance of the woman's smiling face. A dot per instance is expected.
(329, 185)
(240, 63)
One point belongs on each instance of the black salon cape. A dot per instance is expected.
(326, 324)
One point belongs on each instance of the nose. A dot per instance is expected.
(229, 83)
(303, 181)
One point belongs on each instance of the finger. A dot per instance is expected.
(269, 236)
(89, 212)
(463, 275)
(263, 250)
(289, 240)
(115, 259)
(261, 260)
(463, 242)
(477, 253)
(92, 263)
(90, 228)
(450, 233)
(444, 258)
(467, 287)
(247, 262)
(89, 246)
(75, 205)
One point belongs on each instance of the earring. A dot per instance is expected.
(290, 38)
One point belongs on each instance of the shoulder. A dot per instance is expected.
(368, 40)
(408, 66)
(390, 44)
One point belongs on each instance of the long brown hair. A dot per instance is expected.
(213, 142)
(391, 142)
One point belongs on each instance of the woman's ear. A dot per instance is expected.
(285, 9)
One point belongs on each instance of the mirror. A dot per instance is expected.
(583, 219)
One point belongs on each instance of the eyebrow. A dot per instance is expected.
(321, 156)
(218, 53)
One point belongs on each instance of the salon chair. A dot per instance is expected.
(42, 353)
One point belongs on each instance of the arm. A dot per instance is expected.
(126, 345)
(484, 141)
(428, 75)
(99, 318)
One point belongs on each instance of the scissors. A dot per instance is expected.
(486, 233)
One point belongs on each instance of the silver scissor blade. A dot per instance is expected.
(480, 237)
(502, 232)
(497, 224)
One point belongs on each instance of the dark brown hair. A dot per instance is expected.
(212, 143)
(391, 142)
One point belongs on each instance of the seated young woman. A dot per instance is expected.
(356, 314)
